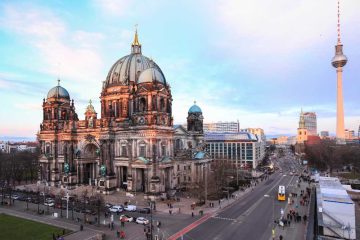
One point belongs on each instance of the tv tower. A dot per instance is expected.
(338, 61)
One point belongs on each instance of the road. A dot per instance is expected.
(251, 217)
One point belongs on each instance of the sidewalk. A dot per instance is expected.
(296, 230)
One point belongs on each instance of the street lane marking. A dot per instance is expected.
(222, 218)
(254, 206)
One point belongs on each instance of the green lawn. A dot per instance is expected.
(12, 228)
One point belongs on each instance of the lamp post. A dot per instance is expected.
(67, 204)
(205, 167)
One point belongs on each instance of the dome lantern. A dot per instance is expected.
(136, 46)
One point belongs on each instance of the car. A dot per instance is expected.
(15, 197)
(130, 208)
(142, 220)
(108, 205)
(50, 204)
(116, 209)
(126, 218)
(144, 210)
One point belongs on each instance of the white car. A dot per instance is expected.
(15, 197)
(142, 220)
(116, 209)
(50, 204)
(130, 208)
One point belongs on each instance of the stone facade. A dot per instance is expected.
(133, 145)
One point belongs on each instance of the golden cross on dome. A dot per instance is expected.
(195, 102)
(136, 39)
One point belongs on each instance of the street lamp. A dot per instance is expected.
(67, 204)
(205, 167)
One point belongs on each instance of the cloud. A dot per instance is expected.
(113, 7)
(69, 54)
(270, 37)
(18, 83)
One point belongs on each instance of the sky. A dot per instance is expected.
(256, 61)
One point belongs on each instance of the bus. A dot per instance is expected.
(281, 193)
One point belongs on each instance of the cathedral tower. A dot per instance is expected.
(302, 132)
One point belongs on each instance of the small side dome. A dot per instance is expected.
(151, 75)
(195, 109)
(58, 92)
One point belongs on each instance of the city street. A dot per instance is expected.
(254, 211)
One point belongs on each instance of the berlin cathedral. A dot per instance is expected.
(133, 145)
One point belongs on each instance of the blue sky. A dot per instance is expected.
(256, 61)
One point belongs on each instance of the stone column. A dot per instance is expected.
(81, 173)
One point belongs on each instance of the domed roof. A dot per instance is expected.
(128, 69)
(151, 75)
(90, 108)
(194, 109)
(58, 92)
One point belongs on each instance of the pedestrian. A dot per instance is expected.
(159, 224)
(280, 237)
(192, 214)
(122, 234)
(117, 233)
(112, 226)
(170, 211)
(81, 227)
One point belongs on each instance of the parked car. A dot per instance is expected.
(116, 209)
(108, 205)
(142, 220)
(126, 218)
(144, 210)
(50, 204)
(130, 208)
(15, 197)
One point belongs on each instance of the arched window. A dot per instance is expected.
(47, 148)
(142, 105)
(142, 150)
(163, 149)
(162, 105)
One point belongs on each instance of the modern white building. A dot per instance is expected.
(245, 149)
(335, 210)
(222, 127)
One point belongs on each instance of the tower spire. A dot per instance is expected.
(136, 37)
(136, 46)
(338, 24)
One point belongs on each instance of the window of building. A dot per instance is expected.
(163, 150)
(123, 151)
(142, 151)
(184, 178)
(189, 178)
(184, 167)
(178, 167)
(189, 167)
(47, 149)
